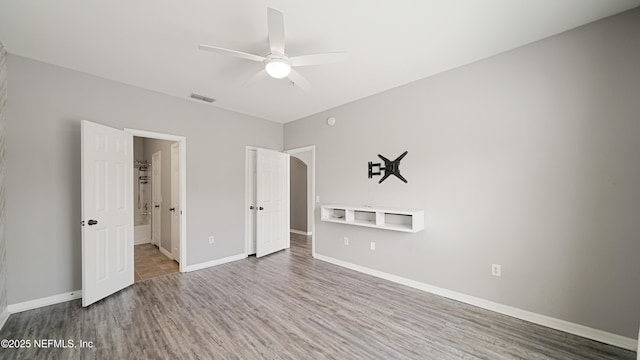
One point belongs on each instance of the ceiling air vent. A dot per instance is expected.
(202, 98)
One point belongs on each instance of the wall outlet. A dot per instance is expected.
(346, 240)
(211, 239)
(496, 270)
(372, 246)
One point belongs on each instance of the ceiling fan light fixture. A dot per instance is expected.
(277, 64)
(277, 68)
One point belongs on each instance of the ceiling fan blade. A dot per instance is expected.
(260, 75)
(238, 54)
(275, 22)
(299, 81)
(318, 59)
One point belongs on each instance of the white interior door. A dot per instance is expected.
(156, 197)
(175, 201)
(251, 205)
(272, 192)
(107, 211)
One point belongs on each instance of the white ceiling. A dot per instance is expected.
(153, 43)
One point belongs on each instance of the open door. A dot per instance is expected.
(107, 211)
(175, 201)
(251, 201)
(156, 197)
(272, 194)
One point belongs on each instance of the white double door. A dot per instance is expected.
(267, 201)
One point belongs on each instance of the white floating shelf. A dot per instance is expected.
(404, 220)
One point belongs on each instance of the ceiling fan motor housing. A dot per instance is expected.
(277, 65)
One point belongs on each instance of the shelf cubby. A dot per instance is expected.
(405, 220)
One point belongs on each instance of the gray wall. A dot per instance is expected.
(307, 158)
(46, 104)
(3, 239)
(528, 159)
(164, 146)
(298, 194)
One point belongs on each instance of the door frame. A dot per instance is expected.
(183, 184)
(311, 183)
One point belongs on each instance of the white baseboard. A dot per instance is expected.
(165, 252)
(4, 316)
(562, 325)
(143, 241)
(60, 298)
(216, 262)
(300, 232)
(38, 303)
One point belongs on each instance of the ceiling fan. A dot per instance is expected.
(277, 63)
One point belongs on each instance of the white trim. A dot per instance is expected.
(557, 324)
(4, 316)
(154, 135)
(38, 303)
(60, 298)
(307, 233)
(216, 262)
(166, 252)
(312, 205)
(301, 149)
(183, 185)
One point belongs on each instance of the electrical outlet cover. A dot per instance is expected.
(496, 270)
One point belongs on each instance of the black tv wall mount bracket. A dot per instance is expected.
(390, 168)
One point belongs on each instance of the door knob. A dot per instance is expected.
(251, 207)
(92, 222)
(172, 209)
(260, 208)
(157, 206)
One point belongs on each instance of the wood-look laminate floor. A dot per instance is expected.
(287, 306)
